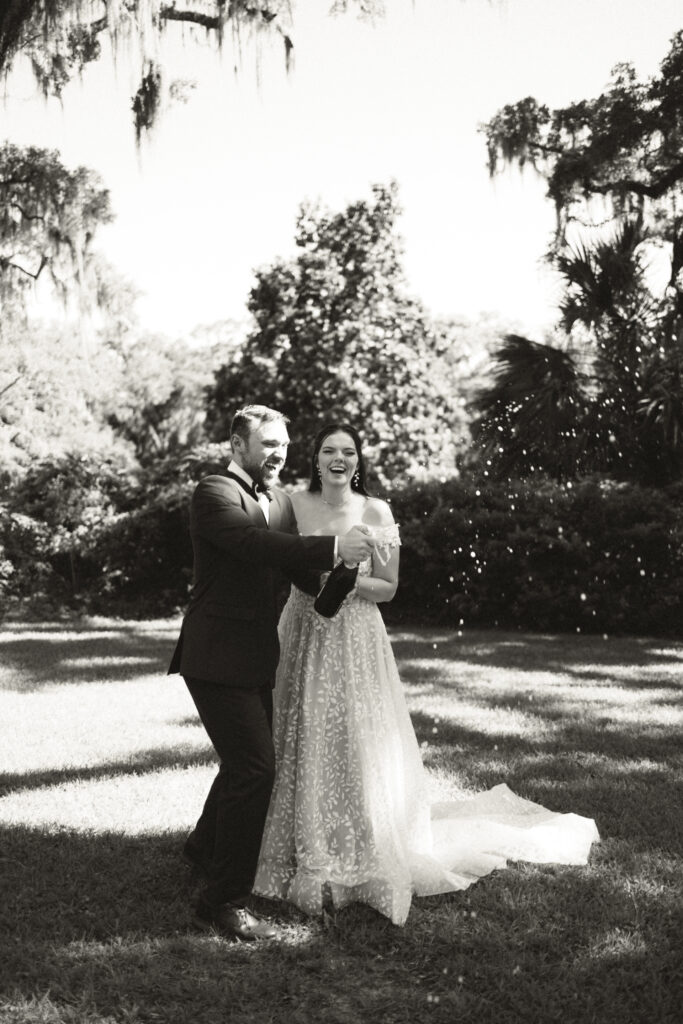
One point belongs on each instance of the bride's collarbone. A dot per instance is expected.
(336, 523)
(319, 517)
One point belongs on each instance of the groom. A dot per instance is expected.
(242, 533)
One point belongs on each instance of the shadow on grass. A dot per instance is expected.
(85, 655)
(35, 655)
(627, 777)
(98, 927)
(593, 734)
(148, 761)
(534, 651)
(101, 926)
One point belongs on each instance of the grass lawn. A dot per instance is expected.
(104, 767)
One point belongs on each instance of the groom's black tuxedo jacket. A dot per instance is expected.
(229, 633)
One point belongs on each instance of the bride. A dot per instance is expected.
(349, 815)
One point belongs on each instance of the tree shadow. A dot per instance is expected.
(628, 783)
(84, 656)
(533, 651)
(104, 923)
(577, 738)
(37, 655)
(148, 761)
(101, 924)
(588, 732)
(595, 673)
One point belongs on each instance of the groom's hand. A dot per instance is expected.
(356, 545)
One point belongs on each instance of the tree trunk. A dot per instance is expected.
(72, 567)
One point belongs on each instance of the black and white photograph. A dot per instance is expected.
(341, 511)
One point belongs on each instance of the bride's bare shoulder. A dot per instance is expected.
(377, 513)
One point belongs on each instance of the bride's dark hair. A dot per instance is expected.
(333, 428)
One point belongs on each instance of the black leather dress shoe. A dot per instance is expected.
(233, 922)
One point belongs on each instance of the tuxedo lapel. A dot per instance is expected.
(243, 483)
(249, 502)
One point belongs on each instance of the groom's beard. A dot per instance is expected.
(266, 474)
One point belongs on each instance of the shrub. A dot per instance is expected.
(591, 557)
(50, 525)
(595, 557)
(146, 557)
(89, 535)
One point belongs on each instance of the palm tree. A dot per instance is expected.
(532, 416)
(614, 404)
(661, 414)
(608, 294)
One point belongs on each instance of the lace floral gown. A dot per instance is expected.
(349, 811)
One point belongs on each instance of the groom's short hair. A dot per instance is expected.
(249, 417)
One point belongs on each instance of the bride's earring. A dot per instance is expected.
(320, 476)
(355, 479)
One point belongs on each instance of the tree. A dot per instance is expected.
(624, 147)
(53, 395)
(614, 168)
(532, 417)
(590, 401)
(337, 335)
(158, 405)
(61, 37)
(55, 516)
(48, 218)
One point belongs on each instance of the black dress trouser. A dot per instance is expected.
(229, 832)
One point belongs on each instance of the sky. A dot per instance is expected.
(215, 194)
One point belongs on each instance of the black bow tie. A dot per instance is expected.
(252, 489)
(260, 489)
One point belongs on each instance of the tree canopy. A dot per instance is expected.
(611, 398)
(624, 146)
(48, 218)
(61, 37)
(337, 336)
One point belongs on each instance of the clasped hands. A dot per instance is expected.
(356, 545)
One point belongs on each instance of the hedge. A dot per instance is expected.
(590, 557)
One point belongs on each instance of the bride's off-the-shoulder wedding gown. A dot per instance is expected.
(350, 811)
